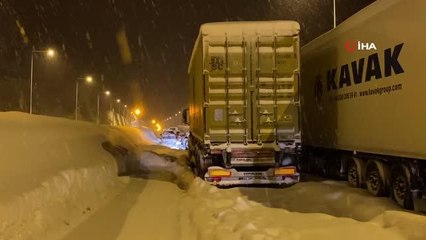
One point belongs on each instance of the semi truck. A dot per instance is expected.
(363, 102)
(244, 103)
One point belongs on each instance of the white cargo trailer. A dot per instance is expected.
(363, 100)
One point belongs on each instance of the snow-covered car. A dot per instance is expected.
(175, 130)
(169, 138)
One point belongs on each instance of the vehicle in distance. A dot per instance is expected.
(169, 138)
(244, 103)
(363, 95)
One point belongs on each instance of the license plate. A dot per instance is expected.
(252, 160)
(253, 174)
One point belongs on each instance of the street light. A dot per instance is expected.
(89, 80)
(50, 53)
(107, 93)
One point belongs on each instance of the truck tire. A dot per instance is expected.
(401, 188)
(202, 164)
(354, 174)
(375, 182)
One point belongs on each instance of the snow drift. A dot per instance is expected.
(54, 173)
(207, 212)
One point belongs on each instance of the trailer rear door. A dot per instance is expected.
(251, 87)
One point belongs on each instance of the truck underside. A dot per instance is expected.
(402, 179)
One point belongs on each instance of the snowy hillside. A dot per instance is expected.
(53, 173)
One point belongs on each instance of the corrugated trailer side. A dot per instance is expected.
(362, 100)
(196, 92)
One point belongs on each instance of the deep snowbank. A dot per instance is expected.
(330, 197)
(207, 212)
(211, 213)
(54, 172)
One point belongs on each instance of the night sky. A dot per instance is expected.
(142, 47)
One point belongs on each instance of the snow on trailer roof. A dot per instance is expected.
(260, 27)
(279, 27)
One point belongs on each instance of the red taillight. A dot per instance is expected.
(217, 179)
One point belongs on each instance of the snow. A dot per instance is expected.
(146, 208)
(58, 182)
(220, 214)
(330, 197)
(54, 173)
(308, 210)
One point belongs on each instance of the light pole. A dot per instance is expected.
(88, 79)
(118, 112)
(107, 93)
(126, 115)
(334, 13)
(49, 53)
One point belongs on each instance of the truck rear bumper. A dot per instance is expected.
(252, 178)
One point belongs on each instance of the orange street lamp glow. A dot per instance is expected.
(50, 52)
(89, 79)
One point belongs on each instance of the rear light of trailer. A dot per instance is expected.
(217, 179)
(213, 179)
(284, 171)
(219, 173)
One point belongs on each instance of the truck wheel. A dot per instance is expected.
(353, 175)
(375, 182)
(202, 164)
(401, 189)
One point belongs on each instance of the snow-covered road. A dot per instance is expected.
(166, 202)
(323, 196)
(64, 185)
(145, 209)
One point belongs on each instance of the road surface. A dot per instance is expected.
(157, 205)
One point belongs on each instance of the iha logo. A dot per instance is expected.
(351, 46)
